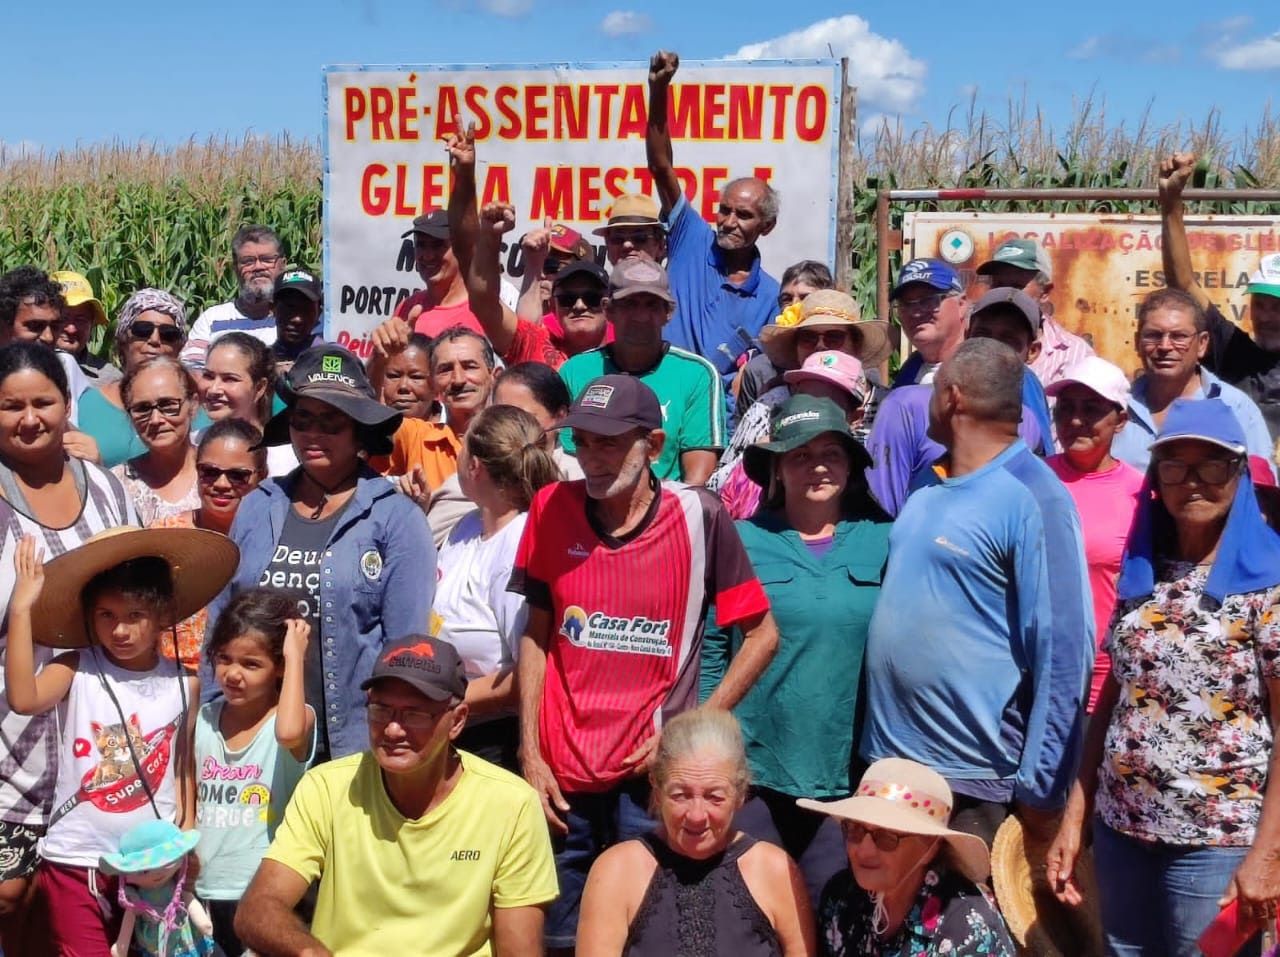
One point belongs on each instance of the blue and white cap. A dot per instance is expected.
(931, 272)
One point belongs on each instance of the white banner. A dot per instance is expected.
(559, 140)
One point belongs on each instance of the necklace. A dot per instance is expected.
(326, 490)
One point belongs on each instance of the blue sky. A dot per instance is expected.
(92, 72)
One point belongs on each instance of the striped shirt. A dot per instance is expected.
(29, 745)
(688, 389)
(217, 321)
(627, 618)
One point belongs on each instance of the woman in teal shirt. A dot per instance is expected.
(818, 546)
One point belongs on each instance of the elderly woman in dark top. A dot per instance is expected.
(914, 886)
(696, 886)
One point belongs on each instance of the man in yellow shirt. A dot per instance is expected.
(419, 848)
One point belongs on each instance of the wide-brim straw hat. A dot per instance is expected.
(826, 309)
(200, 562)
(1041, 923)
(904, 796)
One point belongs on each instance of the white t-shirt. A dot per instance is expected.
(480, 617)
(218, 321)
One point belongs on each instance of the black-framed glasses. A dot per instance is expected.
(615, 236)
(410, 719)
(328, 424)
(855, 831)
(169, 408)
(568, 300)
(36, 327)
(826, 338)
(244, 262)
(143, 329)
(209, 474)
(1209, 472)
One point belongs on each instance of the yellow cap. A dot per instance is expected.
(77, 291)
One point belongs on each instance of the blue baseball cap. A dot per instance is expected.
(931, 272)
(1202, 420)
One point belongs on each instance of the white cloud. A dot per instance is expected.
(1087, 50)
(625, 23)
(507, 8)
(884, 71)
(1261, 54)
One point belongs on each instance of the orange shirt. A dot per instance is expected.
(419, 442)
(191, 630)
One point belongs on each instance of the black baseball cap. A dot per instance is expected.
(332, 375)
(581, 267)
(427, 664)
(299, 280)
(612, 405)
(434, 224)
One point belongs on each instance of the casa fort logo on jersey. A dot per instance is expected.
(597, 631)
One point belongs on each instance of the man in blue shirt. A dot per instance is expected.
(1172, 339)
(722, 295)
(981, 645)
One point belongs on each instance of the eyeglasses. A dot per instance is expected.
(408, 718)
(169, 408)
(144, 329)
(244, 262)
(301, 421)
(36, 327)
(921, 305)
(209, 474)
(826, 338)
(620, 237)
(568, 300)
(855, 831)
(1208, 472)
(1178, 341)
(552, 266)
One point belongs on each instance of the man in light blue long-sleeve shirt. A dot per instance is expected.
(981, 645)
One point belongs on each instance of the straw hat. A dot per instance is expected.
(907, 797)
(1039, 921)
(826, 309)
(201, 563)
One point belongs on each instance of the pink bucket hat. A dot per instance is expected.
(839, 368)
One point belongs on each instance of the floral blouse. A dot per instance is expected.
(951, 916)
(1190, 736)
(147, 501)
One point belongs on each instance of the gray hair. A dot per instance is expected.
(769, 199)
(149, 300)
(699, 731)
(810, 272)
(254, 234)
(989, 375)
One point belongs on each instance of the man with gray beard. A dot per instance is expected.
(259, 261)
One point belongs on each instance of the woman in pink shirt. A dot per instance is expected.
(1092, 398)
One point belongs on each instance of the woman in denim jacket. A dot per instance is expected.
(356, 554)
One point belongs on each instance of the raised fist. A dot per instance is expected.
(1175, 172)
(498, 217)
(663, 66)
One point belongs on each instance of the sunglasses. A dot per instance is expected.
(828, 339)
(209, 474)
(855, 831)
(301, 421)
(36, 327)
(169, 408)
(552, 266)
(143, 329)
(568, 300)
(1208, 472)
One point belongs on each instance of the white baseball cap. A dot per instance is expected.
(1266, 281)
(1096, 373)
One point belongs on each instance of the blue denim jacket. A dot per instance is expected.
(361, 610)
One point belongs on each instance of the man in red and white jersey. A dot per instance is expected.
(619, 570)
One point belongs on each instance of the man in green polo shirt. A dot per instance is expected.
(688, 387)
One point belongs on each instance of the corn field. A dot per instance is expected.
(139, 215)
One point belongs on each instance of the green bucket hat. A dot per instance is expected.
(800, 419)
(150, 845)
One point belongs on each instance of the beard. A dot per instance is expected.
(257, 291)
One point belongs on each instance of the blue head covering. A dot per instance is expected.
(1249, 552)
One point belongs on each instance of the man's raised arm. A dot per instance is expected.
(657, 137)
